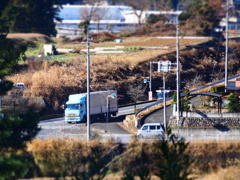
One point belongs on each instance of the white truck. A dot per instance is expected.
(101, 103)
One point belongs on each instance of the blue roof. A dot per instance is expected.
(106, 13)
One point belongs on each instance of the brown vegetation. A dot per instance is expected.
(30, 37)
(54, 80)
(61, 157)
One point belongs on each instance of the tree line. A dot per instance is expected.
(29, 16)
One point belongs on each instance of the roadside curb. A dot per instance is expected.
(126, 128)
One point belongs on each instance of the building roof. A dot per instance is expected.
(123, 14)
(76, 12)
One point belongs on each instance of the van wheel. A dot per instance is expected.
(140, 136)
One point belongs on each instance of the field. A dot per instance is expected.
(151, 47)
(53, 78)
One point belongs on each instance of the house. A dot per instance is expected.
(105, 18)
(233, 20)
(234, 86)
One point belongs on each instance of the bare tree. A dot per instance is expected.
(217, 76)
(94, 11)
(136, 92)
(98, 16)
(160, 5)
(195, 82)
(87, 14)
(138, 6)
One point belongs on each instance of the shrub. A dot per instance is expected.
(173, 162)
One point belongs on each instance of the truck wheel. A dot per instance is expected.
(84, 119)
(114, 114)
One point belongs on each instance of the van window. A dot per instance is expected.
(145, 128)
(152, 127)
(158, 127)
(20, 84)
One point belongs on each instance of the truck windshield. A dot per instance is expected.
(74, 106)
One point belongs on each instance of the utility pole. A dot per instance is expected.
(150, 83)
(226, 48)
(178, 68)
(88, 88)
(164, 101)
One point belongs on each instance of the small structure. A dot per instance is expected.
(234, 86)
(49, 49)
(118, 40)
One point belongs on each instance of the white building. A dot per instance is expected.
(233, 20)
(104, 18)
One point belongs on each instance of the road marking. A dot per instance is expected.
(61, 127)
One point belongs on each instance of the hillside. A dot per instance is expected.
(55, 77)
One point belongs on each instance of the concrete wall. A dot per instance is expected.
(210, 115)
(202, 134)
(198, 122)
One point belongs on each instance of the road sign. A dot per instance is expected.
(164, 66)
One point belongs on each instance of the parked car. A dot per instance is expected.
(20, 85)
(151, 131)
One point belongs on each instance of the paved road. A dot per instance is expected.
(158, 116)
(59, 128)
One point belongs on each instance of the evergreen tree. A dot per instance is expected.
(15, 132)
(233, 105)
(174, 162)
(174, 101)
(10, 52)
(33, 16)
(186, 101)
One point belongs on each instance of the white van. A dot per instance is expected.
(151, 130)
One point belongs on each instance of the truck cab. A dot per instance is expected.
(102, 104)
(75, 110)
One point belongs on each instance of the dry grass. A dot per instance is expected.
(230, 173)
(213, 159)
(29, 37)
(54, 81)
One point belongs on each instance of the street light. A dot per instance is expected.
(178, 67)
(150, 92)
(150, 83)
(88, 88)
(163, 91)
(226, 48)
(108, 105)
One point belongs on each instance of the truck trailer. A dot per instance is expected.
(102, 103)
